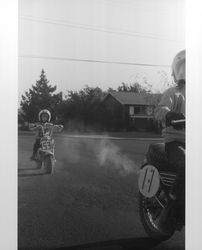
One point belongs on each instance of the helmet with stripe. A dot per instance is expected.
(45, 111)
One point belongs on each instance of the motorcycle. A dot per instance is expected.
(45, 157)
(156, 208)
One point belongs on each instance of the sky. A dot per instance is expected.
(98, 42)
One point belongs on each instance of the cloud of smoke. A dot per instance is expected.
(103, 150)
(109, 154)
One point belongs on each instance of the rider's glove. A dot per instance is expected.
(171, 116)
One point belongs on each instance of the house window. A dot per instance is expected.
(137, 110)
(134, 110)
(131, 110)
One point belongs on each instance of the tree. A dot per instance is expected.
(40, 96)
(20, 117)
(135, 88)
(164, 81)
(79, 111)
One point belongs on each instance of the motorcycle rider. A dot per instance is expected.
(172, 107)
(43, 124)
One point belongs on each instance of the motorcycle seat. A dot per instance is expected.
(156, 155)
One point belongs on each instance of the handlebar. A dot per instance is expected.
(50, 128)
(177, 121)
(174, 122)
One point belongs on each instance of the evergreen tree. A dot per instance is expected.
(40, 96)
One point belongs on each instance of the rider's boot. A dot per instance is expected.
(180, 218)
(33, 157)
(178, 192)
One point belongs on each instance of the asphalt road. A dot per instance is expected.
(91, 198)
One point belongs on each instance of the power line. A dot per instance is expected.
(118, 2)
(92, 61)
(94, 28)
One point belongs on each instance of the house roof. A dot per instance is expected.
(130, 98)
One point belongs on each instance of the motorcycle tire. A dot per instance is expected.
(48, 164)
(152, 229)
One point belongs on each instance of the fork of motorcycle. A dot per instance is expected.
(160, 203)
(162, 198)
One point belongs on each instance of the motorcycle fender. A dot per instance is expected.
(47, 152)
(148, 181)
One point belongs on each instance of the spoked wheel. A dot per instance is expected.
(157, 218)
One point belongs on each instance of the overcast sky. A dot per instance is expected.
(60, 35)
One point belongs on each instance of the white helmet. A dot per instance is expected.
(45, 111)
(178, 66)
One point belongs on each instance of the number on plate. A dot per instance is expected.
(148, 181)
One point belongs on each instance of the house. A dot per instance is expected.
(130, 111)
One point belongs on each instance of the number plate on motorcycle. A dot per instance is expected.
(148, 181)
(46, 145)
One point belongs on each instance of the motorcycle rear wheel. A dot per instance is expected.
(154, 218)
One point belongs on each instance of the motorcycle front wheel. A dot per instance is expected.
(48, 164)
(157, 221)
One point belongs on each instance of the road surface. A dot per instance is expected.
(91, 196)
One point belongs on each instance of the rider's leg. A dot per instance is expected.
(176, 156)
(36, 147)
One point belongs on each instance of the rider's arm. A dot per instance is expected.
(165, 105)
(58, 128)
(174, 116)
(33, 126)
